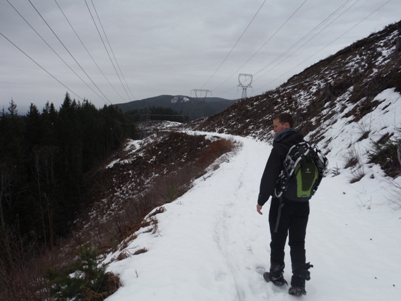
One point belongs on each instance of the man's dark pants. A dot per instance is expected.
(293, 221)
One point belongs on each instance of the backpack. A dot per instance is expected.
(303, 170)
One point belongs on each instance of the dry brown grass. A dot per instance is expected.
(140, 251)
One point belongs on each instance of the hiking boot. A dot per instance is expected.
(298, 280)
(280, 281)
(297, 291)
(275, 275)
(302, 271)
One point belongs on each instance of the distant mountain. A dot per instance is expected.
(188, 106)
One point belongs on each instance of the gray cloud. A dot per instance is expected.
(172, 46)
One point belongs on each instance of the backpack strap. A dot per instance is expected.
(280, 206)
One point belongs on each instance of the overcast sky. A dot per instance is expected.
(170, 46)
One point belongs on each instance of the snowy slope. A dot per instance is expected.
(211, 244)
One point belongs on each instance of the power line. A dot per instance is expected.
(87, 50)
(104, 32)
(290, 17)
(306, 42)
(123, 115)
(235, 44)
(41, 66)
(302, 38)
(52, 49)
(65, 86)
(67, 50)
(97, 28)
(368, 16)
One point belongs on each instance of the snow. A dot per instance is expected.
(211, 244)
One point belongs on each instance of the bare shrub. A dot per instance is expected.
(387, 156)
(357, 176)
(357, 171)
(364, 135)
(213, 151)
(20, 276)
(351, 161)
(335, 171)
(394, 195)
(123, 255)
(140, 251)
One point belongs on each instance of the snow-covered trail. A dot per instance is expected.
(212, 245)
(354, 241)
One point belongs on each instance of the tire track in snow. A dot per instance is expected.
(236, 234)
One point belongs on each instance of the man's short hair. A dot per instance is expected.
(285, 117)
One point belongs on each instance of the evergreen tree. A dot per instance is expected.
(43, 160)
(89, 281)
(12, 158)
(92, 136)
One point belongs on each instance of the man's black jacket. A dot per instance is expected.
(281, 144)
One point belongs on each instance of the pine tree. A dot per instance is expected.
(89, 279)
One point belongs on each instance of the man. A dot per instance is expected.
(285, 217)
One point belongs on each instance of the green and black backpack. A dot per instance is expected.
(302, 173)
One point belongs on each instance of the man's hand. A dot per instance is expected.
(259, 209)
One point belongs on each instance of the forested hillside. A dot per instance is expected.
(44, 158)
(184, 107)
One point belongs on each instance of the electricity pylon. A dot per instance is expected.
(245, 83)
(199, 92)
(199, 105)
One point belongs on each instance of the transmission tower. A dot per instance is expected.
(245, 81)
(201, 93)
(199, 105)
